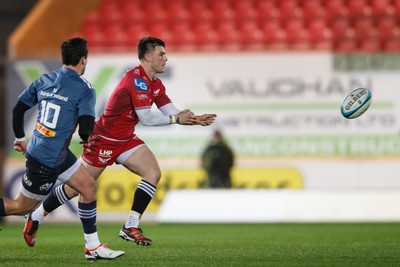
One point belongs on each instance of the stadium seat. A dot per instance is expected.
(154, 12)
(266, 10)
(391, 44)
(116, 37)
(270, 29)
(131, 12)
(359, 7)
(205, 35)
(320, 34)
(369, 45)
(340, 26)
(299, 40)
(244, 11)
(182, 37)
(277, 41)
(293, 26)
(252, 37)
(345, 45)
(335, 8)
(363, 27)
(222, 10)
(228, 36)
(178, 11)
(381, 7)
(96, 41)
(93, 18)
(134, 32)
(386, 25)
(199, 12)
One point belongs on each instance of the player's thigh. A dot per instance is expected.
(83, 182)
(95, 172)
(143, 162)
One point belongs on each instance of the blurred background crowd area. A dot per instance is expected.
(255, 25)
(366, 26)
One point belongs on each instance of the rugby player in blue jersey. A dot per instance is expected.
(65, 100)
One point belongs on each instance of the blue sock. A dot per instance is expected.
(87, 213)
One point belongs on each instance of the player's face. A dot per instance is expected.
(159, 59)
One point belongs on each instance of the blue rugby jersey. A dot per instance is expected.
(62, 96)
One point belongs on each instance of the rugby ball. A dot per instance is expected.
(356, 103)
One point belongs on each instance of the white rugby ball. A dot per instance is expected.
(356, 103)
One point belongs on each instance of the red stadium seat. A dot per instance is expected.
(293, 26)
(134, 32)
(178, 11)
(252, 38)
(386, 25)
(199, 12)
(266, 10)
(93, 18)
(336, 8)
(320, 34)
(340, 26)
(270, 28)
(382, 7)
(359, 7)
(183, 39)
(206, 38)
(154, 12)
(244, 10)
(369, 45)
(396, 6)
(363, 26)
(345, 45)
(131, 12)
(277, 41)
(116, 36)
(228, 36)
(299, 40)
(391, 45)
(96, 41)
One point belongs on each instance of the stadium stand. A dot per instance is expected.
(341, 26)
(254, 25)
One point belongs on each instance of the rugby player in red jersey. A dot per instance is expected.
(114, 138)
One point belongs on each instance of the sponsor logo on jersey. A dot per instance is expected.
(157, 91)
(140, 84)
(54, 95)
(142, 96)
(45, 131)
(27, 181)
(45, 187)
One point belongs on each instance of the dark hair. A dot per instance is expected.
(73, 50)
(148, 44)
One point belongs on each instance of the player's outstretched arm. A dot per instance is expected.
(205, 119)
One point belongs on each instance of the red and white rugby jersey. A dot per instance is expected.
(134, 91)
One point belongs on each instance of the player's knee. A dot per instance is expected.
(154, 176)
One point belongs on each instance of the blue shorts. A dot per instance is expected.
(39, 179)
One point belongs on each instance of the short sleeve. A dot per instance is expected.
(28, 96)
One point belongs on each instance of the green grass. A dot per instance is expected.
(213, 245)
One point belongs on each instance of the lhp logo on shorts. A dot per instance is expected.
(105, 155)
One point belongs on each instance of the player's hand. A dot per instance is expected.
(205, 119)
(186, 117)
(20, 146)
